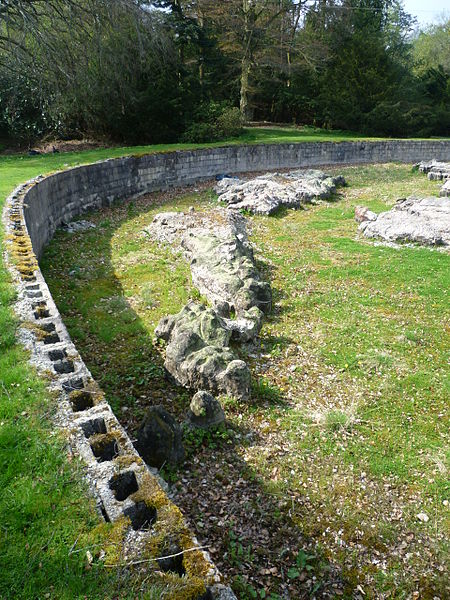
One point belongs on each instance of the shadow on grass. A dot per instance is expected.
(249, 529)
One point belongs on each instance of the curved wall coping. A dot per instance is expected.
(32, 214)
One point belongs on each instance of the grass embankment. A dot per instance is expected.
(47, 521)
(347, 430)
(44, 509)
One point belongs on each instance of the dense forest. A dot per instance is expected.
(195, 70)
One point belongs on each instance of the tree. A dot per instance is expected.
(432, 48)
(367, 58)
(109, 68)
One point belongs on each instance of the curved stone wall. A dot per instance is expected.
(121, 482)
(62, 196)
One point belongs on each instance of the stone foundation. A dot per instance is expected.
(120, 481)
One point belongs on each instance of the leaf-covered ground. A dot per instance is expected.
(319, 485)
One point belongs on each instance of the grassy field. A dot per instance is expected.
(44, 507)
(321, 477)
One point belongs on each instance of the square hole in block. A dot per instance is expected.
(173, 563)
(123, 485)
(104, 447)
(57, 354)
(51, 338)
(33, 294)
(141, 515)
(93, 427)
(41, 311)
(81, 400)
(64, 366)
(73, 384)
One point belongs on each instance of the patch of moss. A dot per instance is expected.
(101, 441)
(183, 588)
(111, 538)
(126, 460)
(170, 525)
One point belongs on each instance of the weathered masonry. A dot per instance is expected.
(124, 487)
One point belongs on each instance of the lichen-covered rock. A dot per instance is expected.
(169, 227)
(437, 171)
(159, 438)
(219, 592)
(223, 268)
(76, 226)
(246, 327)
(362, 213)
(205, 411)
(434, 169)
(264, 195)
(445, 189)
(420, 220)
(197, 352)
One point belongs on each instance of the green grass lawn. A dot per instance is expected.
(351, 377)
(44, 506)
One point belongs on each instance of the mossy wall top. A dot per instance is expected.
(63, 196)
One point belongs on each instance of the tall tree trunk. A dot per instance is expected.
(246, 64)
(246, 110)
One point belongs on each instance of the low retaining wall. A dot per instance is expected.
(121, 482)
(62, 196)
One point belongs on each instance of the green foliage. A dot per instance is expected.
(264, 390)
(213, 122)
(303, 562)
(237, 552)
(123, 72)
(229, 123)
(431, 48)
(195, 437)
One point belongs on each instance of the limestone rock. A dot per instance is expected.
(265, 194)
(223, 268)
(437, 171)
(445, 189)
(219, 592)
(159, 438)
(362, 213)
(420, 220)
(246, 327)
(434, 169)
(169, 227)
(197, 352)
(205, 411)
(76, 226)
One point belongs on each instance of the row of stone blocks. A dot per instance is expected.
(128, 492)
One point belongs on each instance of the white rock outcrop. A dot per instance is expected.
(265, 194)
(420, 220)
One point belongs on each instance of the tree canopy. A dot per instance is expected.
(137, 71)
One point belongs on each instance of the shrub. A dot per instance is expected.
(229, 123)
(213, 122)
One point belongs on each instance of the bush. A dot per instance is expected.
(229, 123)
(198, 133)
(213, 122)
(407, 119)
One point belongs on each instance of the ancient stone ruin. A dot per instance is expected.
(419, 220)
(198, 352)
(129, 493)
(423, 221)
(437, 171)
(264, 195)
